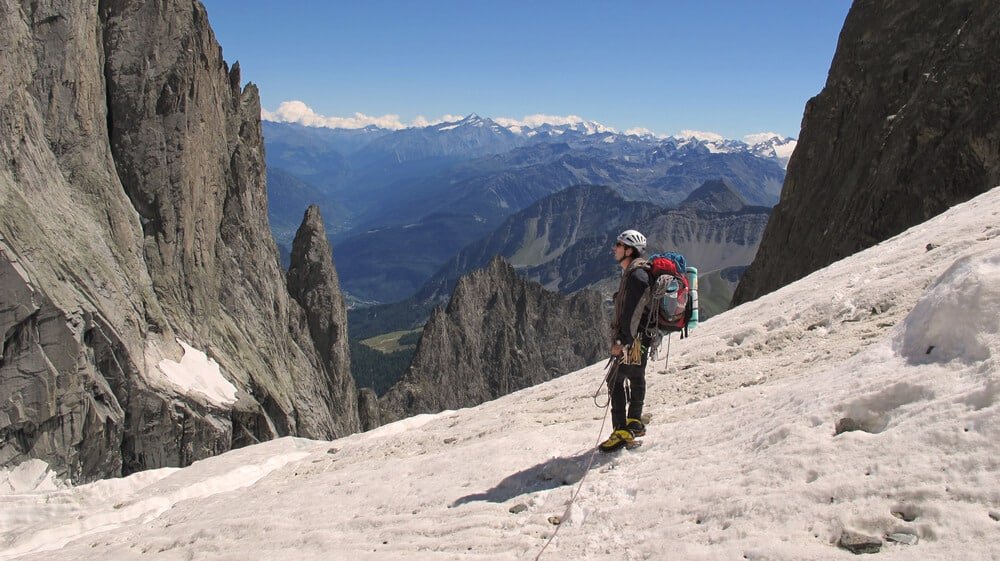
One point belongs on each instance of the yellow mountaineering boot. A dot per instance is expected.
(635, 427)
(618, 440)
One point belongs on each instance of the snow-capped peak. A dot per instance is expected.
(532, 125)
(538, 127)
(763, 145)
(772, 145)
(472, 120)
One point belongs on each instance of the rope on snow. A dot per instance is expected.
(593, 454)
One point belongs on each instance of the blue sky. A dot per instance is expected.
(729, 67)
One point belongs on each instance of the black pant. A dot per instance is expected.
(635, 374)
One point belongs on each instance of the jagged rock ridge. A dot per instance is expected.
(133, 215)
(907, 126)
(312, 282)
(498, 334)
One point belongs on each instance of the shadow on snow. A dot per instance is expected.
(550, 474)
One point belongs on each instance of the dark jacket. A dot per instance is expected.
(630, 296)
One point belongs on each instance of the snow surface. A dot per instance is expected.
(741, 460)
(198, 376)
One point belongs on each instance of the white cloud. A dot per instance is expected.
(422, 121)
(295, 111)
(700, 135)
(759, 137)
(540, 119)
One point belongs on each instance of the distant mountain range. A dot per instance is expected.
(404, 202)
(564, 240)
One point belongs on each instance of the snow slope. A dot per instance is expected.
(741, 460)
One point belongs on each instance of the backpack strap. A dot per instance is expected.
(637, 263)
(619, 296)
(644, 306)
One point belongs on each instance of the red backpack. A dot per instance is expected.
(670, 294)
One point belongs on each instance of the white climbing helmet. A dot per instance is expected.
(634, 239)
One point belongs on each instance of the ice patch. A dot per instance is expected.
(30, 476)
(956, 317)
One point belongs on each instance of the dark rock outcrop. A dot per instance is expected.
(498, 334)
(47, 414)
(312, 282)
(859, 543)
(368, 409)
(907, 126)
(715, 196)
(133, 215)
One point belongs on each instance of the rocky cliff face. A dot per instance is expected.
(368, 409)
(907, 126)
(498, 334)
(132, 216)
